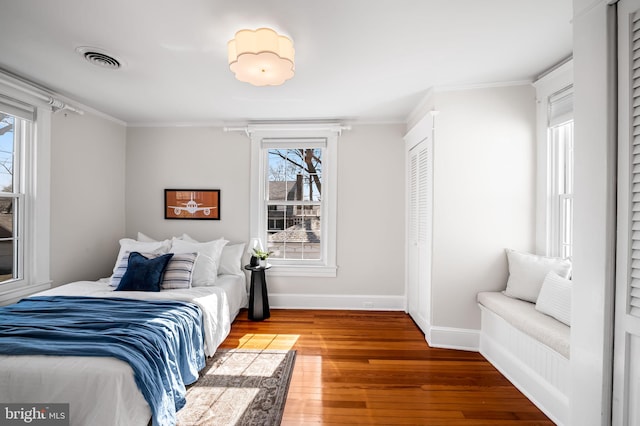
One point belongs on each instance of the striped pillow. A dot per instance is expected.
(555, 298)
(121, 268)
(178, 273)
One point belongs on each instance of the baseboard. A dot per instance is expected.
(335, 301)
(453, 338)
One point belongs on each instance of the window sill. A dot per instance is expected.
(12, 292)
(303, 271)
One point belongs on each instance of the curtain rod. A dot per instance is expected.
(31, 89)
(289, 126)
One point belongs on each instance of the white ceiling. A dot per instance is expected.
(366, 60)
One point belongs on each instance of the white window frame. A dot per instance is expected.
(34, 192)
(548, 220)
(561, 164)
(267, 136)
(22, 138)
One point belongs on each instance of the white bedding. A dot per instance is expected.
(100, 390)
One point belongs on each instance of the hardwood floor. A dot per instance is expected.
(362, 367)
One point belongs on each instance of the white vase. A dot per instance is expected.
(263, 263)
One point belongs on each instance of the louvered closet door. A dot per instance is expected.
(626, 380)
(419, 238)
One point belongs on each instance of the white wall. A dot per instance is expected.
(186, 158)
(370, 205)
(87, 195)
(484, 195)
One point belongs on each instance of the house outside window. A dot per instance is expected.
(293, 197)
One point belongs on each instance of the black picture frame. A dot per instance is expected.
(193, 204)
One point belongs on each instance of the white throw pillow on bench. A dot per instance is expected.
(555, 298)
(528, 271)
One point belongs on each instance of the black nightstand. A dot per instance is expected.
(258, 297)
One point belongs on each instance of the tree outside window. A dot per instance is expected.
(294, 203)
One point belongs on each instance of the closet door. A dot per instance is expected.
(626, 366)
(420, 182)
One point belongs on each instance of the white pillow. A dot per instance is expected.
(187, 237)
(527, 272)
(231, 259)
(555, 298)
(127, 244)
(206, 267)
(145, 238)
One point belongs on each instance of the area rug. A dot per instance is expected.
(240, 387)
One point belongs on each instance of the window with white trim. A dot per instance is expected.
(25, 181)
(16, 122)
(560, 169)
(554, 161)
(294, 197)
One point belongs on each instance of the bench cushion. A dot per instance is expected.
(524, 316)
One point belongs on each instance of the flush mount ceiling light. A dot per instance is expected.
(261, 57)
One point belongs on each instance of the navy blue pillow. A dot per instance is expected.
(144, 274)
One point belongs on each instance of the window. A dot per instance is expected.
(554, 159)
(560, 140)
(294, 202)
(25, 123)
(294, 197)
(16, 121)
(13, 132)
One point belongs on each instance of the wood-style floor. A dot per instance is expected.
(360, 367)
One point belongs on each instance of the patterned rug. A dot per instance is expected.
(240, 387)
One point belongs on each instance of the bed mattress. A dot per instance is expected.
(101, 390)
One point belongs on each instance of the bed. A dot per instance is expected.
(102, 390)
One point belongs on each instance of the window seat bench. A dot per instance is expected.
(530, 349)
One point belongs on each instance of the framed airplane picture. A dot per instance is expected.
(192, 204)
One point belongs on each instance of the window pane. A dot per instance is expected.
(568, 166)
(297, 235)
(7, 137)
(561, 167)
(12, 131)
(6, 236)
(6, 260)
(566, 226)
(562, 145)
(294, 174)
(6, 217)
(294, 197)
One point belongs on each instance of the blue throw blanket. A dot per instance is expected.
(161, 340)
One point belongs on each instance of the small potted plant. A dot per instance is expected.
(262, 255)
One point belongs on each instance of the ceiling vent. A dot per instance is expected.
(99, 57)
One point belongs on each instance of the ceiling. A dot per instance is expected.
(361, 60)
